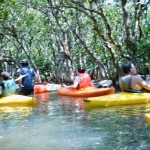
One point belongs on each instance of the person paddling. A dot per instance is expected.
(27, 78)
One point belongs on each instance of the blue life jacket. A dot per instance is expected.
(9, 87)
(27, 81)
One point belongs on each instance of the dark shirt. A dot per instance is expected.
(27, 81)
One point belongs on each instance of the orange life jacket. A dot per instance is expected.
(85, 80)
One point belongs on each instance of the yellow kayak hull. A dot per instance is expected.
(147, 116)
(118, 99)
(17, 100)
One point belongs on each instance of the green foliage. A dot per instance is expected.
(38, 29)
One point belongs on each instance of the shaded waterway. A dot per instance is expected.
(62, 123)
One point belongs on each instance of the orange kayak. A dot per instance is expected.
(40, 88)
(85, 92)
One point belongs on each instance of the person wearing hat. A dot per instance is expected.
(8, 85)
(27, 77)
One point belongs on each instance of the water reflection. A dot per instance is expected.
(42, 102)
(63, 123)
(43, 96)
(22, 110)
(75, 104)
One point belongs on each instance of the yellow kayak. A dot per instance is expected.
(17, 100)
(147, 116)
(117, 99)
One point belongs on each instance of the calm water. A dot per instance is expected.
(61, 123)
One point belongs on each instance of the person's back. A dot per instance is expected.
(85, 80)
(125, 83)
(27, 82)
(8, 85)
(82, 79)
(132, 82)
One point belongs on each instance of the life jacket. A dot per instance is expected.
(85, 80)
(9, 87)
(125, 84)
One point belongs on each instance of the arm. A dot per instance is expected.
(19, 79)
(76, 82)
(20, 82)
(37, 78)
(143, 84)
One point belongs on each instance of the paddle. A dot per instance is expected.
(104, 83)
(20, 77)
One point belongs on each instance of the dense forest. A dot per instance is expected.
(57, 36)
